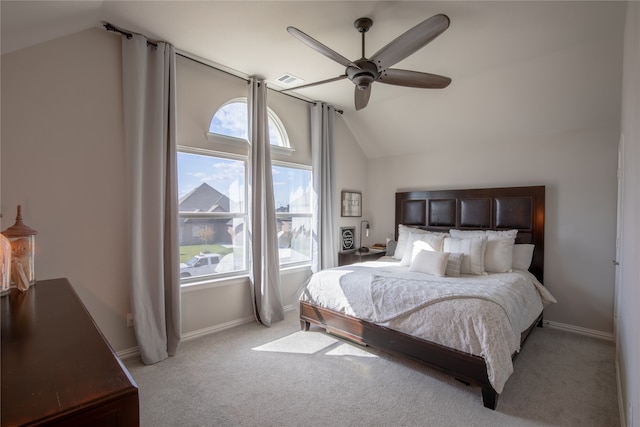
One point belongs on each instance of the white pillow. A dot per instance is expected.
(502, 233)
(473, 248)
(421, 241)
(403, 237)
(466, 234)
(430, 262)
(453, 265)
(522, 256)
(498, 256)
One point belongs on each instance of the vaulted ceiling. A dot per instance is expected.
(518, 68)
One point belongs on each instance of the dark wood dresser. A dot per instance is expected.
(57, 367)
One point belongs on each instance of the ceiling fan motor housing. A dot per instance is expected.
(363, 73)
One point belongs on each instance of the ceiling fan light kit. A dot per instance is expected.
(364, 71)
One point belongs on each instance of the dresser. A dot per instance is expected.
(57, 367)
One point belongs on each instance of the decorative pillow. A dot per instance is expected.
(473, 248)
(419, 241)
(391, 247)
(403, 237)
(509, 234)
(466, 234)
(430, 262)
(522, 256)
(453, 265)
(498, 256)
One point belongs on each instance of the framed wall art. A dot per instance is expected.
(348, 238)
(351, 203)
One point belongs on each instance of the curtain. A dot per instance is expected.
(149, 93)
(264, 271)
(324, 249)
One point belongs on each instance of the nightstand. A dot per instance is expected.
(352, 257)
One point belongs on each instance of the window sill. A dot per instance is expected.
(240, 279)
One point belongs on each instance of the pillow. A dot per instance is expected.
(403, 237)
(502, 234)
(453, 265)
(418, 241)
(522, 256)
(465, 234)
(430, 262)
(498, 256)
(473, 248)
(391, 247)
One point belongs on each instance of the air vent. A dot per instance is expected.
(289, 80)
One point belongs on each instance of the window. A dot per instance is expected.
(213, 201)
(212, 211)
(231, 121)
(292, 194)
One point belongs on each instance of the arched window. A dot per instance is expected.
(231, 121)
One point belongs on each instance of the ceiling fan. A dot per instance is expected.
(364, 71)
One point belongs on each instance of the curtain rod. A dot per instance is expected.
(128, 35)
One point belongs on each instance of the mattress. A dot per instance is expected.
(483, 315)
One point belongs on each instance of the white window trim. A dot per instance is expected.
(230, 140)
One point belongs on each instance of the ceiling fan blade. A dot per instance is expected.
(362, 97)
(333, 79)
(417, 79)
(315, 44)
(411, 41)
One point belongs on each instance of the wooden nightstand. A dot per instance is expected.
(352, 257)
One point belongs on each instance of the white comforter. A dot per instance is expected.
(480, 315)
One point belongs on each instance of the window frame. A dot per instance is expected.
(309, 215)
(189, 281)
(273, 118)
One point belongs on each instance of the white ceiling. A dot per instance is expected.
(518, 68)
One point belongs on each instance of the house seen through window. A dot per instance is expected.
(213, 197)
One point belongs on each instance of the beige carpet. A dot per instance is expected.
(279, 376)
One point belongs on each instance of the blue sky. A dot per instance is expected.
(227, 175)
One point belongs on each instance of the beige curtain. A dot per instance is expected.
(324, 249)
(149, 93)
(264, 269)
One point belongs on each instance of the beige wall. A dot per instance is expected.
(63, 161)
(579, 172)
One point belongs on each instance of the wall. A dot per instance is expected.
(579, 172)
(628, 292)
(63, 161)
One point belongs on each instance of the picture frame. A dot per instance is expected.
(347, 238)
(351, 203)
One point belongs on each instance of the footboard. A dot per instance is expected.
(463, 366)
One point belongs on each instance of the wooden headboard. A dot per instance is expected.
(507, 208)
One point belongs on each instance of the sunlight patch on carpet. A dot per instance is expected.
(349, 350)
(299, 342)
(308, 343)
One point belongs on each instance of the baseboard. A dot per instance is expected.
(579, 330)
(621, 403)
(134, 351)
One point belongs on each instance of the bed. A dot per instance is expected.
(466, 319)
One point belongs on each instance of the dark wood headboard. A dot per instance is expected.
(506, 208)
